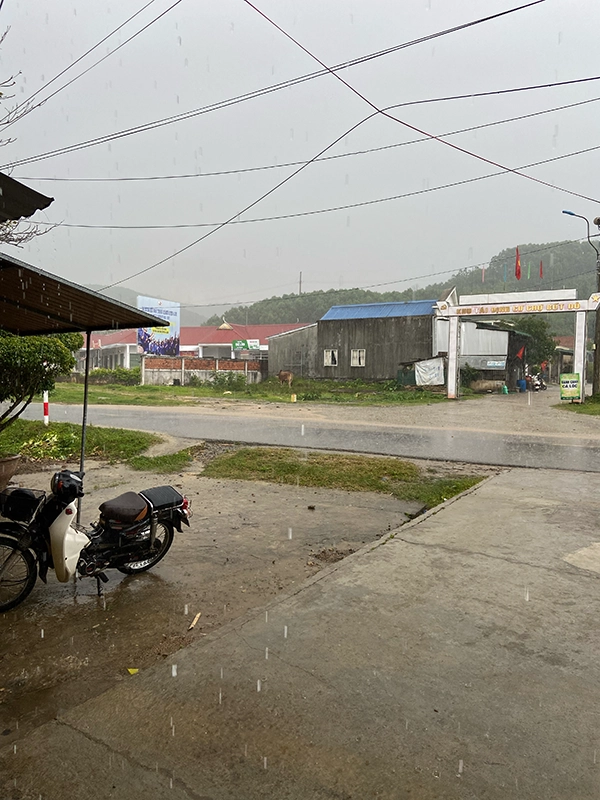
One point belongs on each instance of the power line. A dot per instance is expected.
(95, 64)
(70, 66)
(339, 155)
(233, 303)
(290, 177)
(323, 210)
(257, 93)
(384, 113)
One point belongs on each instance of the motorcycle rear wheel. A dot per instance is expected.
(18, 572)
(162, 542)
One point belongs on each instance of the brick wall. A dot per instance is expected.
(192, 363)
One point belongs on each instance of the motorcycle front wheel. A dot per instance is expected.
(163, 540)
(18, 572)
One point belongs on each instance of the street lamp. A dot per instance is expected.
(596, 378)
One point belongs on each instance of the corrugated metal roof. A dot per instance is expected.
(411, 308)
(36, 302)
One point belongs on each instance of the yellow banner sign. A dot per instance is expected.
(520, 308)
(570, 386)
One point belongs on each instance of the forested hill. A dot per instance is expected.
(307, 307)
(569, 265)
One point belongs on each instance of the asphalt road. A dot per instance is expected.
(440, 443)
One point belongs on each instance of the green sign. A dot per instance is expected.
(570, 386)
(239, 344)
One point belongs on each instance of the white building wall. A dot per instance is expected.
(473, 341)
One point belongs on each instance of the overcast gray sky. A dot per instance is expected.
(203, 52)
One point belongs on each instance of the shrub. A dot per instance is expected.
(234, 381)
(120, 375)
(468, 375)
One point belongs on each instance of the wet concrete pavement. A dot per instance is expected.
(459, 659)
(520, 430)
(247, 543)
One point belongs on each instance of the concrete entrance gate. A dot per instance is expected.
(511, 303)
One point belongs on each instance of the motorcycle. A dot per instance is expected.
(537, 382)
(133, 533)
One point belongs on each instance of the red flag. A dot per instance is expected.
(518, 266)
(521, 352)
(541, 269)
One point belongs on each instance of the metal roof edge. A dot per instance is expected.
(292, 330)
(16, 263)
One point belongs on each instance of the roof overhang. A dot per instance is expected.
(18, 200)
(34, 302)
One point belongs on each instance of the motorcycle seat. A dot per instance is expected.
(127, 507)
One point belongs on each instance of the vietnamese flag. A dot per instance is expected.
(518, 266)
(541, 269)
(521, 352)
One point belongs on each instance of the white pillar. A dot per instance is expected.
(182, 371)
(579, 349)
(143, 369)
(127, 363)
(453, 329)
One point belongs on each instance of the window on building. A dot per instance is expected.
(357, 358)
(330, 358)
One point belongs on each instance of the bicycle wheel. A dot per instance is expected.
(18, 572)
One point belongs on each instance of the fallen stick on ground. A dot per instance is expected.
(195, 620)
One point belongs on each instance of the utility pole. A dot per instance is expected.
(596, 375)
(300, 284)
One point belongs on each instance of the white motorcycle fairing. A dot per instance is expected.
(66, 543)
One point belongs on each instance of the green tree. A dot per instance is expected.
(307, 307)
(541, 347)
(30, 365)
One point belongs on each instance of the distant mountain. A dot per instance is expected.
(564, 265)
(189, 317)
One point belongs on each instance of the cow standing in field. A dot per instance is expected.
(285, 377)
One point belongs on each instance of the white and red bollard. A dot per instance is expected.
(46, 409)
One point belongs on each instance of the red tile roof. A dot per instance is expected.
(114, 337)
(567, 342)
(207, 334)
(204, 334)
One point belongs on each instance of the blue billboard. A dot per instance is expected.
(163, 340)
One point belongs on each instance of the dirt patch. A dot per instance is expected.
(331, 555)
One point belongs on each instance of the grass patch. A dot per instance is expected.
(61, 441)
(401, 479)
(307, 391)
(591, 407)
(173, 462)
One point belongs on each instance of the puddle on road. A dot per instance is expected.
(66, 644)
